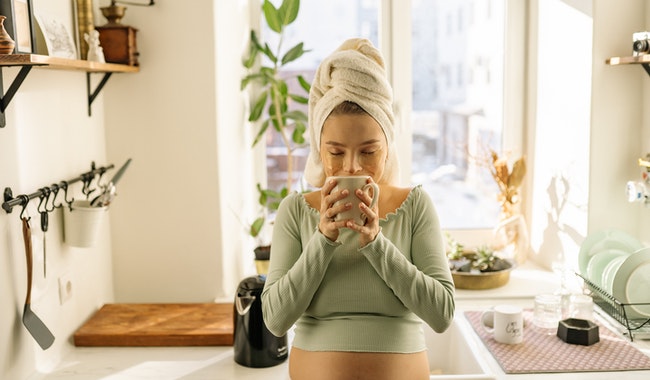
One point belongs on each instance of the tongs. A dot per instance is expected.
(106, 197)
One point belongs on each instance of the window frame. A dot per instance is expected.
(398, 19)
(395, 45)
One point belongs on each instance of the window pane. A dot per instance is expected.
(322, 27)
(457, 105)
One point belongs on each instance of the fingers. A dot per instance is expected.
(329, 209)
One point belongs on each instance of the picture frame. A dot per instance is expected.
(58, 38)
(19, 23)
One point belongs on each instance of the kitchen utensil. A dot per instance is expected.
(351, 184)
(44, 224)
(82, 223)
(610, 272)
(632, 281)
(505, 322)
(106, 197)
(547, 312)
(581, 306)
(32, 322)
(605, 239)
(599, 261)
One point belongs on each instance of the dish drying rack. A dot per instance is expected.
(618, 311)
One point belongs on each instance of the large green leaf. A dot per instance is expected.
(269, 73)
(294, 53)
(254, 77)
(260, 133)
(257, 226)
(296, 115)
(272, 16)
(298, 135)
(256, 41)
(252, 56)
(288, 11)
(304, 84)
(269, 53)
(299, 99)
(258, 108)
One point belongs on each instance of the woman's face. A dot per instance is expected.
(353, 144)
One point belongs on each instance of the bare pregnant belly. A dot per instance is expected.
(328, 365)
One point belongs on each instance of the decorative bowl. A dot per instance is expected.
(482, 280)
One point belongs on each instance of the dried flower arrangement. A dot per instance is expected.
(508, 181)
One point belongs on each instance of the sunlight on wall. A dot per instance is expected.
(562, 127)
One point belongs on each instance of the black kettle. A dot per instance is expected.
(255, 346)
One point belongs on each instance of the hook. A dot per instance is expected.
(102, 170)
(45, 194)
(51, 194)
(64, 186)
(24, 202)
(55, 189)
(87, 179)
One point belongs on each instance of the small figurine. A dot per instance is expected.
(95, 52)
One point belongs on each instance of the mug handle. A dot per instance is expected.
(487, 320)
(375, 192)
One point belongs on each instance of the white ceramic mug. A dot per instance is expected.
(352, 183)
(505, 322)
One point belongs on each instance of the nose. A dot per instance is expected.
(351, 164)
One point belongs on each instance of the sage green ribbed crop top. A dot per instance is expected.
(342, 298)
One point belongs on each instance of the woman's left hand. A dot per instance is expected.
(369, 230)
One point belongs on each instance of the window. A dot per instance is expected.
(456, 90)
(353, 19)
(453, 126)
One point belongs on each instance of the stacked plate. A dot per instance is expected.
(620, 265)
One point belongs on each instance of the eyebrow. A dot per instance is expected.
(368, 142)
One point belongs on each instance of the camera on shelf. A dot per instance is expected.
(640, 43)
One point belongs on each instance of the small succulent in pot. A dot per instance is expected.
(480, 260)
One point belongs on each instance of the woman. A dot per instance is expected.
(356, 294)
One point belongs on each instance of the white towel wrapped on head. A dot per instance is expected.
(355, 72)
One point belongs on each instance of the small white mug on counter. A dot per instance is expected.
(352, 183)
(506, 322)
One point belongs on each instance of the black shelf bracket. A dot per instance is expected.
(98, 89)
(5, 98)
(646, 67)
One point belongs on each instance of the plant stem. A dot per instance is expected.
(278, 117)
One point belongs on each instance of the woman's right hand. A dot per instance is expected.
(328, 224)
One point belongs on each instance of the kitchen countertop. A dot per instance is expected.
(217, 363)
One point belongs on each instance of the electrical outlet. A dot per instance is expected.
(65, 288)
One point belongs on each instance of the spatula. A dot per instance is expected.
(32, 322)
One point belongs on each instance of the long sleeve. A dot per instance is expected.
(295, 272)
(425, 285)
(343, 298)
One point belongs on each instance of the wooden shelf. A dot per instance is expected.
(640, 59)
(643, 60)
(27, 61)
(64, 63)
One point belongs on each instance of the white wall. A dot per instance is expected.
(176, 232)
(617, 125)
(560, 96)
(585, 122)
(48, 138)
(173, 235)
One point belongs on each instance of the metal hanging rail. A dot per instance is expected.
(10, 201)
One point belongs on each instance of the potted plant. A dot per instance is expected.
(274, 102)
(481, 268)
